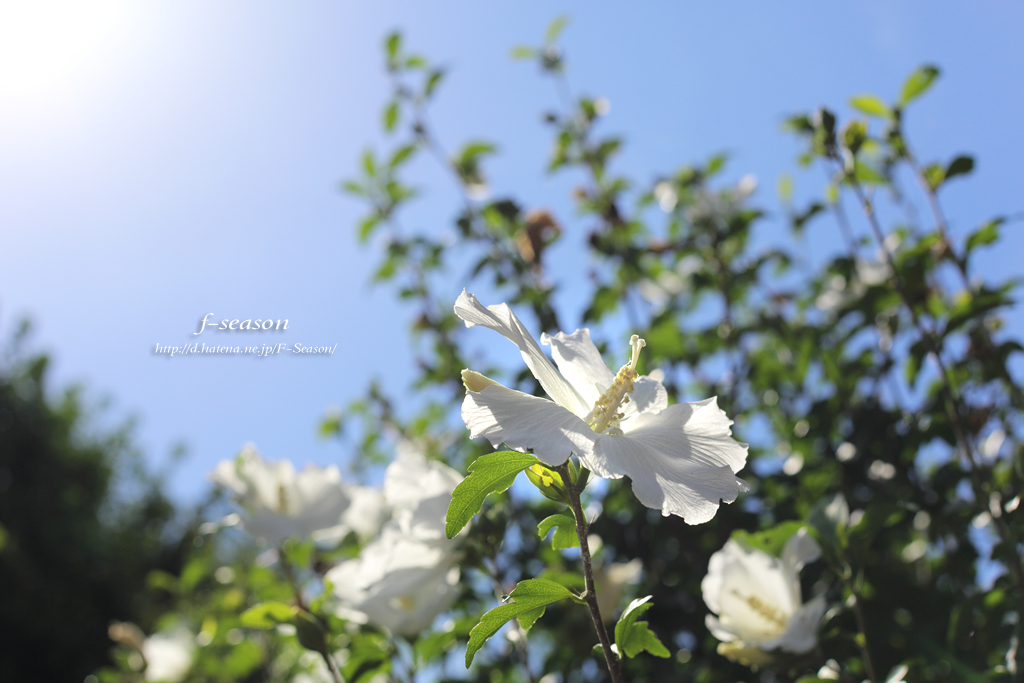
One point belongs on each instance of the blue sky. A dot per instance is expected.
(165, 160)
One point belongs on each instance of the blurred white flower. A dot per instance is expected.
(666, 196)
(408, 575)
(281, 502)
(418, 492)
(611, 582)
(680, 458)
(366, 513)
(838, 293)
(169, 655)
(757, 600)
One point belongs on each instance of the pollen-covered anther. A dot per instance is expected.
(606, 409)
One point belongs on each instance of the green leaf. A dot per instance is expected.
(367, 225)
(986, 234)
(310, 632)
(369, 166)
(392, 43)
(961, 165)
(917, 83)
(432, 81)
(565, 531)
(391, 116)
(555, 28)
(352, 187)
(865, 174)
(771, 541)
(268, 615)
(531, 597)
(523, 52)
(474, 149)
(633, 637)
(402, 154)
(872, 105)
(491, 473)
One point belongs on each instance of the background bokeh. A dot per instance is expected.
(161, 161)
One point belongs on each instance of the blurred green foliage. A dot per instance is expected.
(875, 385)
(82, 528)
(881, 374)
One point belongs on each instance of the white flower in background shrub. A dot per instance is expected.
(408, 575)
(282, 503)
(169, 655)
(757, 600)
(418, 492)
(365, 515)
(680, 458)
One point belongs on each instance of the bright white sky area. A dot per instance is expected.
(164, 160)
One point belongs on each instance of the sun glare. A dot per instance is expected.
(47, 48)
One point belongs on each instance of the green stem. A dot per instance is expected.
(614, 667)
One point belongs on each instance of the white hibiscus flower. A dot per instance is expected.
(680, 458)
(757, 600)
(281, 502)
(408, 575)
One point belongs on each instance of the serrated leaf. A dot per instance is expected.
(872, 105)
(633, 637)
(555, 28)
(491, 473)
(267, 615)
(917, 83)
(531, 598)
(565, 531)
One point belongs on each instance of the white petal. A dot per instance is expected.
(648, 396)
(398, 582)
(681, 460)
(718, 630)
(526, 422)
(755, 597)
(502, 320)
(801, 632)
(419, 491)
(580, 362)
(800, 549)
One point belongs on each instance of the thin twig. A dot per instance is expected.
(858, 614)
(614, 667)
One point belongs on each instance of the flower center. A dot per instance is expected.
(606, 410)
(768, 612)
(406, 603)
